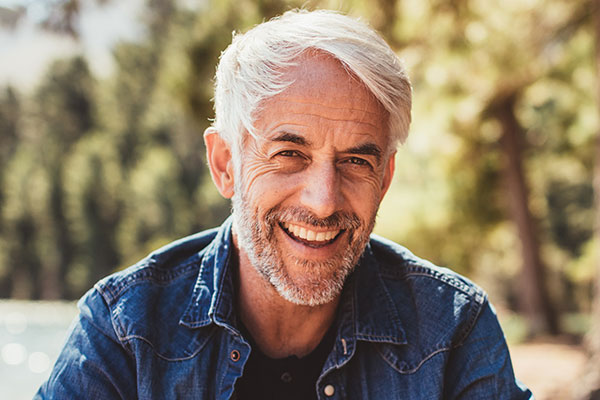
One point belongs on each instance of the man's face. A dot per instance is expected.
(311, 182)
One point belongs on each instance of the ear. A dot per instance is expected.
(388, 174)
(220, 162)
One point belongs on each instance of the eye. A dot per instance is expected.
(289, 153)
(290, 161)
(358, 161)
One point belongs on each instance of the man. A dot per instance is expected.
(291, 298)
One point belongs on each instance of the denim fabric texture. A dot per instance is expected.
(166, 328)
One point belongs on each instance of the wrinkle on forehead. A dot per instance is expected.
(317, 76)
(299, 101)
(342, 115)
(341, 119)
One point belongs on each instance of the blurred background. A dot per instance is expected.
(102, 109)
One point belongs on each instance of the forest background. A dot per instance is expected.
(496, 180)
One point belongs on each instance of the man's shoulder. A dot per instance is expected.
(398, 263)
(428, 298)
(159, 269)
(154, 292)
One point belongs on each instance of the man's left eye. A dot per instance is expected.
(358, 161)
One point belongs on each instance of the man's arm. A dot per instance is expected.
(481, 368)
(93, 364)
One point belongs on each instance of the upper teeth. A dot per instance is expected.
(307, 234)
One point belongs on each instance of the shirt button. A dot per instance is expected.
(329, 390)
(286, 377)
(235, 355)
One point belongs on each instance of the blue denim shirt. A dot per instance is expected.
(166, 328)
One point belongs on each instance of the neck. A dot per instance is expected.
(279, 327)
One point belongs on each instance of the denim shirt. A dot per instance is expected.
(166, 328)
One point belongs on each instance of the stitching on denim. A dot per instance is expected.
(151, 345)
(201, 281)
(412, 268)
(89, 321)
(224, 375)
(101, 290)
(361, 336)
(148, 274)
(463, 334)
(396, 320)
(196, 324)
(474, 313)
(351, 344)
(447, 279)
(117, 327)
(226, 266)
(419, 365)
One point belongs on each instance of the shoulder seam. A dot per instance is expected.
(113, 324)
(470, 324)
(114, 286)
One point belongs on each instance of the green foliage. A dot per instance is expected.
(450, 202)
(95, 174)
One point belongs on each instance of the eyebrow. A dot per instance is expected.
(291, 137)
(370, 149)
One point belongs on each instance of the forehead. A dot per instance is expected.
(322, 87)
(321, 76)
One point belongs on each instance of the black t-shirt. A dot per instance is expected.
(283, 378)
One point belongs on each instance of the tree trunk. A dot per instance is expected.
(532, 294)
(593, 337)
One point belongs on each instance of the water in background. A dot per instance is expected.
(31, 336)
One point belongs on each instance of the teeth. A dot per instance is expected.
(308, 234)
(302, 233)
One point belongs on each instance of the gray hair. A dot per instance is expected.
(250, 69)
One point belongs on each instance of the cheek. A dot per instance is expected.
(364, 187)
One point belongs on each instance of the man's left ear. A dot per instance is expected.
(388, 174)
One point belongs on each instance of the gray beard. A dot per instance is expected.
(324, 280)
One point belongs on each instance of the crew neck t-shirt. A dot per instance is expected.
(282, 378)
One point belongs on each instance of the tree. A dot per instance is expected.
(592, 384)
(534, 298)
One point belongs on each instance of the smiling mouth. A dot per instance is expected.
(309, 237)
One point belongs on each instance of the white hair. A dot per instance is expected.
(250, 69)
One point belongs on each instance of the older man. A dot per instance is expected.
(291, 298)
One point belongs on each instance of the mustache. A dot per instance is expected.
(337, 220)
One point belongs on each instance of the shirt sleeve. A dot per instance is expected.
(93, 363)
(480, 368)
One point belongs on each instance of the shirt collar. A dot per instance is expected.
(213, 297)
(366, 311)
(376, 317)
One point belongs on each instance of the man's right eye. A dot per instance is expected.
(291, 161)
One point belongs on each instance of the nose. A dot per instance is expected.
(321, 191)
